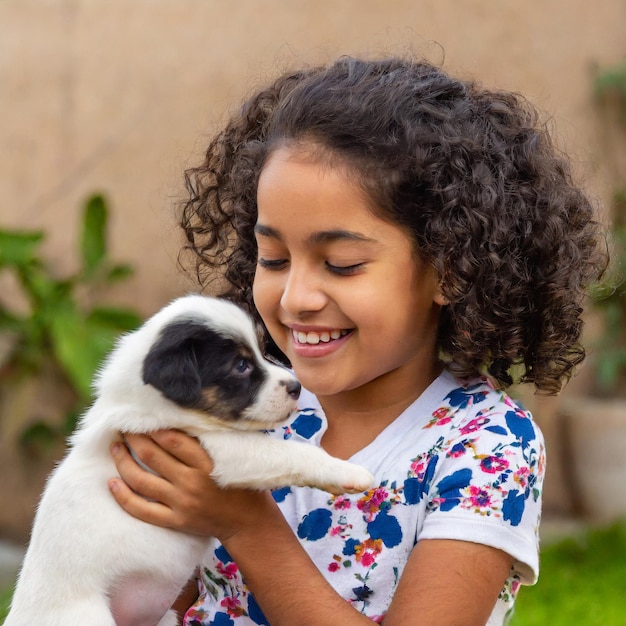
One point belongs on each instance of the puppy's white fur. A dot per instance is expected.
(88, 560)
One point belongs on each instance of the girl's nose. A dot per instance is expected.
(303, 292)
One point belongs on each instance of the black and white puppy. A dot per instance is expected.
(195, 366)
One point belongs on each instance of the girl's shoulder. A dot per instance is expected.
(473, 404)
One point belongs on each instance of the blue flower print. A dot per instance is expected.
(315, 525)
(449, 488)
(349, 548)
(386, 528)
(280, 494)
(222, 555)
(255, 613)
(221, 619)
(463, 397)
(521, 426)
(513, 507)
(362, 593)
(306, 424)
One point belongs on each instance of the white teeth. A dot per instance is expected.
(314, 338)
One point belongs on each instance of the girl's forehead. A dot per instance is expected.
(306, 202)
(311, 153)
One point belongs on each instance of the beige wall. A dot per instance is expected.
(119, 95)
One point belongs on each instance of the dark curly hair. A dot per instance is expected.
(471, 173)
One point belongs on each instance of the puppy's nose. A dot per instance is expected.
(293, 388)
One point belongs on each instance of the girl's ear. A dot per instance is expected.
(440, 299)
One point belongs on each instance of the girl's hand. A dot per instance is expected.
(183, 495)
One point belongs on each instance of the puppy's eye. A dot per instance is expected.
(242, 367)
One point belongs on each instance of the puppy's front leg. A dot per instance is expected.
(259, 462)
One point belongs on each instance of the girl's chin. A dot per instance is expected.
(324, 381)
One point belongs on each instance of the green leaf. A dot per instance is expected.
(74, 346)
(9, 322)
(93, 241)
(39, 433)
(117, 319)
(119, 273)
(17, 248)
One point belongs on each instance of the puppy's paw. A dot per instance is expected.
(350, 479)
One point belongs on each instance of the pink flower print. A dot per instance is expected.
(335, 530)
(228, 571)
(521, 476)
(474, 425)
(370, 503)
(440, 417)
(418, 467)
(341, 502)
(335, 564)
(233, 606)
(493, 464)
(515, 585)
(479, 498)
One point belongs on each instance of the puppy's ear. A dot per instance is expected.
(171, 365)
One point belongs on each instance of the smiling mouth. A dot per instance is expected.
(314, 338)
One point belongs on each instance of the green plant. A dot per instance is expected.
(610, 86)
(61, 322)
(610, 298)
(610, 295)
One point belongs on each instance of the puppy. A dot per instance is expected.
(195, 366)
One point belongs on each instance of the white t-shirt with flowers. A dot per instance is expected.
(464, 462)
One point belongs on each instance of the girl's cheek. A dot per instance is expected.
(263, 294)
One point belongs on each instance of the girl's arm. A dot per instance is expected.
(445, 583)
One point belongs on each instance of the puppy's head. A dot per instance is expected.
(206, 357)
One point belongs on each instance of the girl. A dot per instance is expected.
(411, 244)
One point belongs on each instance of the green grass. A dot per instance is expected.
(5, 598)
(582, 582)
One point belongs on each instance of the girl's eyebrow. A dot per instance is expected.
(323, 236)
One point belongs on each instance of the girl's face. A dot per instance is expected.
(340, 290)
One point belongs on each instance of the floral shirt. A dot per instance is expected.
(464, 462)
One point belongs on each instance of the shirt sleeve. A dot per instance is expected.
(487, 483)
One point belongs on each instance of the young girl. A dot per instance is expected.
(412, 244)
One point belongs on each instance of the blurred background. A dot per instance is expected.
(103, 104)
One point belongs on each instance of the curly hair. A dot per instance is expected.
(470, 173)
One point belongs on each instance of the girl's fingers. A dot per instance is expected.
(142, 482)
(185, 448)
(180, 493)
(147, 511)
(148, 451)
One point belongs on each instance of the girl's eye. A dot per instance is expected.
(272, 264)
(344, 270)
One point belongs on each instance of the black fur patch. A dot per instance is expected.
(198, 368)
